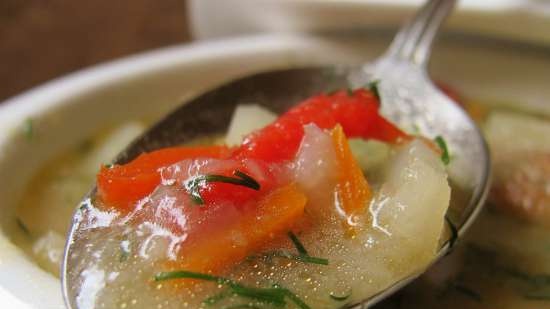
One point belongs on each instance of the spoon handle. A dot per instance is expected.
(414, 40)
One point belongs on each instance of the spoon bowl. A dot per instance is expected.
(409, 99)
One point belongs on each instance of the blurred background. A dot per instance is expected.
(44, 39)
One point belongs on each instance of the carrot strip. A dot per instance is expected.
(274, 215)
(353, 190)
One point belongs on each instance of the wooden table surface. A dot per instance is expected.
(44, 39)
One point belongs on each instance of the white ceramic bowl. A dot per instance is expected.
(71, 108)
(525, 20)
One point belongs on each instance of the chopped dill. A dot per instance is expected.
(373, 87)
(302, 256)
(183, 274)
(299, 246)
(297, 257)
(23, 227)
(293, 297)
(309, 259)
(445, 157)
(194, 184)
(275, 295)
(28, 129)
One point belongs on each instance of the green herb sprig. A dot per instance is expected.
(28, 129)
(275, 295)
(194, 184)
(297, 243)
(373, 87)
(23, 227)
(303, 255)
(445, 157)
(297, 257)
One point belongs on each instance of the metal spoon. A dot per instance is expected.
(409, 98)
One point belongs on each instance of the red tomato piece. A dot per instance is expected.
(356, 112)
(219, 191)
(122, 185)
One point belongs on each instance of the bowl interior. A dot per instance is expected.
(146, 86)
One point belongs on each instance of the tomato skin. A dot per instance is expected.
(122, 185)
(356, 112)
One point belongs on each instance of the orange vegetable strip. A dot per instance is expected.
(353, 190)
(275, 214)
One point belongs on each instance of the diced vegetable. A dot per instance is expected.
(353, 191)
(416, 189)
(247, 118)
(122, 185)
(275, 214)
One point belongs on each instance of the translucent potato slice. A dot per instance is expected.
(410, 206)
(247, 118)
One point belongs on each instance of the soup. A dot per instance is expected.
(284, 219)
(472, 276)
